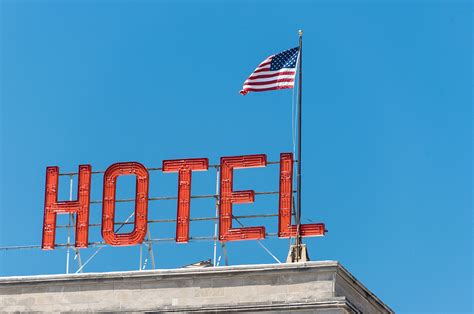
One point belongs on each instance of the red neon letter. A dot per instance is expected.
(141, 204)
(184, 167)
(285, 228)
(229, 197)
(52, 207)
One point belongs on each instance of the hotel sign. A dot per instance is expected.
(184, 167)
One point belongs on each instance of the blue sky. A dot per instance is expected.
(387, 128)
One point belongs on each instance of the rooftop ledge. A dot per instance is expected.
(300, 287)
(170, 272)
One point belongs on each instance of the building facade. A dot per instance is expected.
(310, 287)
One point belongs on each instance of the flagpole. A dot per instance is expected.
(298, 174)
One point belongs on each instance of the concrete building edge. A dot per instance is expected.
(224, 270)
(360, 288)
(342, 304)
(339, 274)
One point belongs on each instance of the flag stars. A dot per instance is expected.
(285, 59)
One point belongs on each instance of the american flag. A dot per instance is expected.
(275, 72)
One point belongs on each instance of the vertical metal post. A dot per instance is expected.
(298, 174)
(214, 262)
(140, 267)
(224, 252)
(69, 226)
(150, 250)
(76, 250)
(79, 261)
